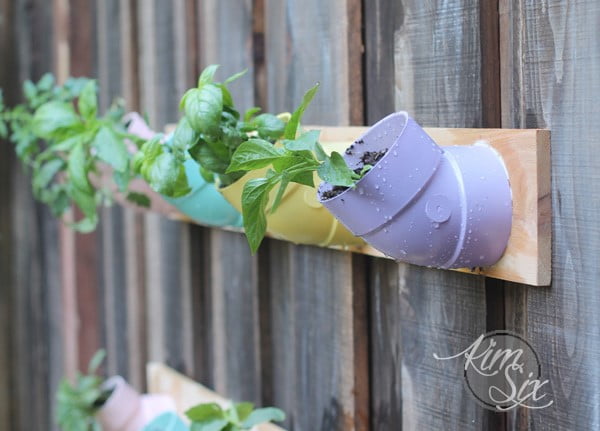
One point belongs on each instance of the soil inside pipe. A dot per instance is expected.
(368, 158)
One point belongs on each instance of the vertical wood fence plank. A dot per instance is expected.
(234, 276)
(319, 360)
(32, 282)
(234, 312)
(82, 33)
(7, 244)
(167, 265)
(551, 78)
(435, 74)
(109, 57)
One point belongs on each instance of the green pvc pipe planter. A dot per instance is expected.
(204, 204)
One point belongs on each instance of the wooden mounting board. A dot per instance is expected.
(186, 392)
(526, 153)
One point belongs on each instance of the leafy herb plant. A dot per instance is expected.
(238, 417)
(295, 161)
(59, 135)
(78, 403)
(209, 132)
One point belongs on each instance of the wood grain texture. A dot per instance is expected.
(162, 61)
(235, 338)
(235, 321)
(30, 282)
(416, 312)
(186, 392)
(112, 234)
(319, 288)
(551, 78)
(7, 51)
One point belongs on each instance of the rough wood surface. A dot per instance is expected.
(235, 345)
(416, 312)
(186, 392)
(31, 358)
(551, 78)
(168, 294)
(318, 287)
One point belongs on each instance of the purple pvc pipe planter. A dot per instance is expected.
(446, 208)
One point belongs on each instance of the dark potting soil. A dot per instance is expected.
(367, 158)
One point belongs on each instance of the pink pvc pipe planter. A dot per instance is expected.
(128, 410)
(446, 208)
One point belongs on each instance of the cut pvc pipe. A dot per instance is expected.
(446, 208)
(127, 410)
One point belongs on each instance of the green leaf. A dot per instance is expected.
(29, 89)
(335, 171)
(167, 176)
(184, 136)
(243, 410)
(307, 142)
(215, 425)
(69, 143)
(184, 98)
(96, 360)
(52, 117)
(139, 199)
(227, 98)
(235, 76)
(88, 101)
(205, 412)
(261, 416)
(207, 175)
(77, 169)
(207, 75)
(85, 225)
(46, 173)
(86, 202)
(282, 186)
(251, 113)
(292, 125)
(203, 109)
(255, 197)
(206, 157)
(46, 82)
(111, 149)
(162, 175)
(254, 154)
(305, 178)
(269, 126)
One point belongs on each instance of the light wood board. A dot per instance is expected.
(185, 391)
(526, 153)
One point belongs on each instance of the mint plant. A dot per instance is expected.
(59, 135)
(210, 132)
(295, 161)
(238, 417)
(77, 403)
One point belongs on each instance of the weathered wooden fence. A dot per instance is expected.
(340, 341)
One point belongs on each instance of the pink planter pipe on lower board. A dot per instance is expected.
(445, 207)
(128, 410)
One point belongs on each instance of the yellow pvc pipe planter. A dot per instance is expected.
(300, 217)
